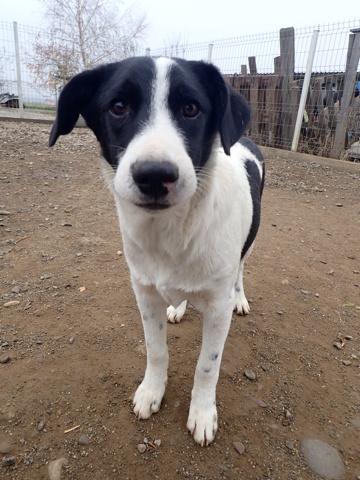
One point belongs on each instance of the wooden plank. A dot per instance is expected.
(243, 70)
(254, 122)
(295, 101)
(270, 107)
(315, 103)
(330, 102)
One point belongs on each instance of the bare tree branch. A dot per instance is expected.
(82, 34)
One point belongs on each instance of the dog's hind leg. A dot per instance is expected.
(241, 304)
(174, 315)
(148, 396)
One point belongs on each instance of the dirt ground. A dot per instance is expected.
(71, 341)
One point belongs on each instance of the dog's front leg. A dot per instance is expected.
(148, 396)
(202, 420)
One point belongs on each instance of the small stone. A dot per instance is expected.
(71, 340)
(305, 292)
(323, 459)
(338, 345)
(330, 272)
(45, 276)
(41, 425)
(339, 205)
(141, 448)
(239, 447)
(258, 401)
(79, 254)
(348, 337)
(16, 289)
(8, 461)
(250, 374)
(355, 422)
(55, 468)
(285, 282)
(157, 442)
(5, 448)
(12, 303)
(352, 257)
(346, 362)
(289, 444)
(83, 440)
(5, 359)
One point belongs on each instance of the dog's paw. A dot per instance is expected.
(241, 306)
(202, 423)
(147, 400)
(174, 315)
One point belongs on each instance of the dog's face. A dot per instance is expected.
(156, 121)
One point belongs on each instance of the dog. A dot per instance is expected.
(187, 189)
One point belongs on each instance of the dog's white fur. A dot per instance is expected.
(188, 252)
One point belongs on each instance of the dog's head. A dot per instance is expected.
(156, 121)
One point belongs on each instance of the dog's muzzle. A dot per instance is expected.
(155, 180)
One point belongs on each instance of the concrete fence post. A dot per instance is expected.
(18, 70)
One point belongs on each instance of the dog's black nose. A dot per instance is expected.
(155, 179)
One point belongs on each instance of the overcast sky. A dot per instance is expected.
(207, 20)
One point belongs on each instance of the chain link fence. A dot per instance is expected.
(302, 85)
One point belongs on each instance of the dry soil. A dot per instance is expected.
(71, 346)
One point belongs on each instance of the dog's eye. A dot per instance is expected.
(120, 108)
(190, 110)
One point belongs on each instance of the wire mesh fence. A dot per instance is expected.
(303, 97)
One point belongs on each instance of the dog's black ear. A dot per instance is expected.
(75, 99)
(235, 118)
(231, 109)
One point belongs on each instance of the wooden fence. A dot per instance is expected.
(332, 112)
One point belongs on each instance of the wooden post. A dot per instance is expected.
(277, 65)
(287, 53)
(252, 65)
(349, 84)
(243, 70)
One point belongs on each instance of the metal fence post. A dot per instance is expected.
(305, 89)
(18, 70)
(210, 49)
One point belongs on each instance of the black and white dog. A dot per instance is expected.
(187, 192)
